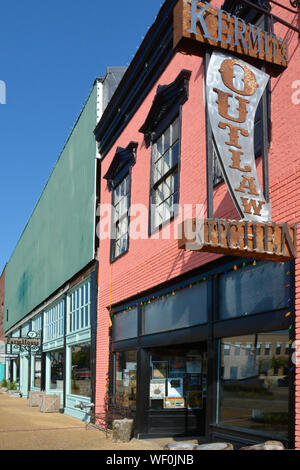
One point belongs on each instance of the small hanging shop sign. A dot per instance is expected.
(23, 341)
(198, 25)
(30, 343)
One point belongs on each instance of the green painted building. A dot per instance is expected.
(50, 279)
(58, 240)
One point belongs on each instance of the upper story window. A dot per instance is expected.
(79, 307)
(121, 217)
(164, 175)
(37, 324)
(162, 131)
(54, 321)
(24, 331)
(118, 177)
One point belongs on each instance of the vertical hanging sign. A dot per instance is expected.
(233, 92)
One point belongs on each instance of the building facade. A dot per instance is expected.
(2, 337)
(51, 277)
(190, 342)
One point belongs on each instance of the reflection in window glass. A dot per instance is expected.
(185, 309)
(254, 388)
(37, 371)
(121, 217)
(57, 376)
(81, 370)
(79, 307)
(125, 379)
(164, 184)
(16, 375)
(178, 379)
(54, 321)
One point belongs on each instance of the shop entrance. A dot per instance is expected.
(177, 390)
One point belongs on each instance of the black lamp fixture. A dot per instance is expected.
(295, 4)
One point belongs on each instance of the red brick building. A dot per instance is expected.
(195, 343)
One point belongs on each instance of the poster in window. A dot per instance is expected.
(125, 378)
(157, 389)
(195, 400)
(177, 367)
(175, 387)
(194, 366)
(132, 378)
(159, 369)
(195, 379)
(174, 402)
(119, 376)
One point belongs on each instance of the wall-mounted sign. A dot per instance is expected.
(198, 25)
(267, 241)
(32, 334)
(233, 92)
(23, 341)
(9, 356)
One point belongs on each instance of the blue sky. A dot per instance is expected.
(50, 54)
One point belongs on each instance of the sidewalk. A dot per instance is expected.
(26, 428)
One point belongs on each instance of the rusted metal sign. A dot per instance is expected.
(233, 92)
(198, 24)
(267, 241)
(23, 341)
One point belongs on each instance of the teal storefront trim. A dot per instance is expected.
(2, 372)
(75, 339)
(59, 390)
(24, 369)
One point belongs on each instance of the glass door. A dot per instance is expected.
(178, 384)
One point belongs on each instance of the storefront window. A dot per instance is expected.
(17, 369)
(254, 389)
(125, 325)
(81, 370)
(56, 376)
(185, 309)
(265, 275)
(178, 379)
(37, 371)
(125, 379)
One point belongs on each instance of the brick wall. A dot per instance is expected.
(284, 156)
(153, 262)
